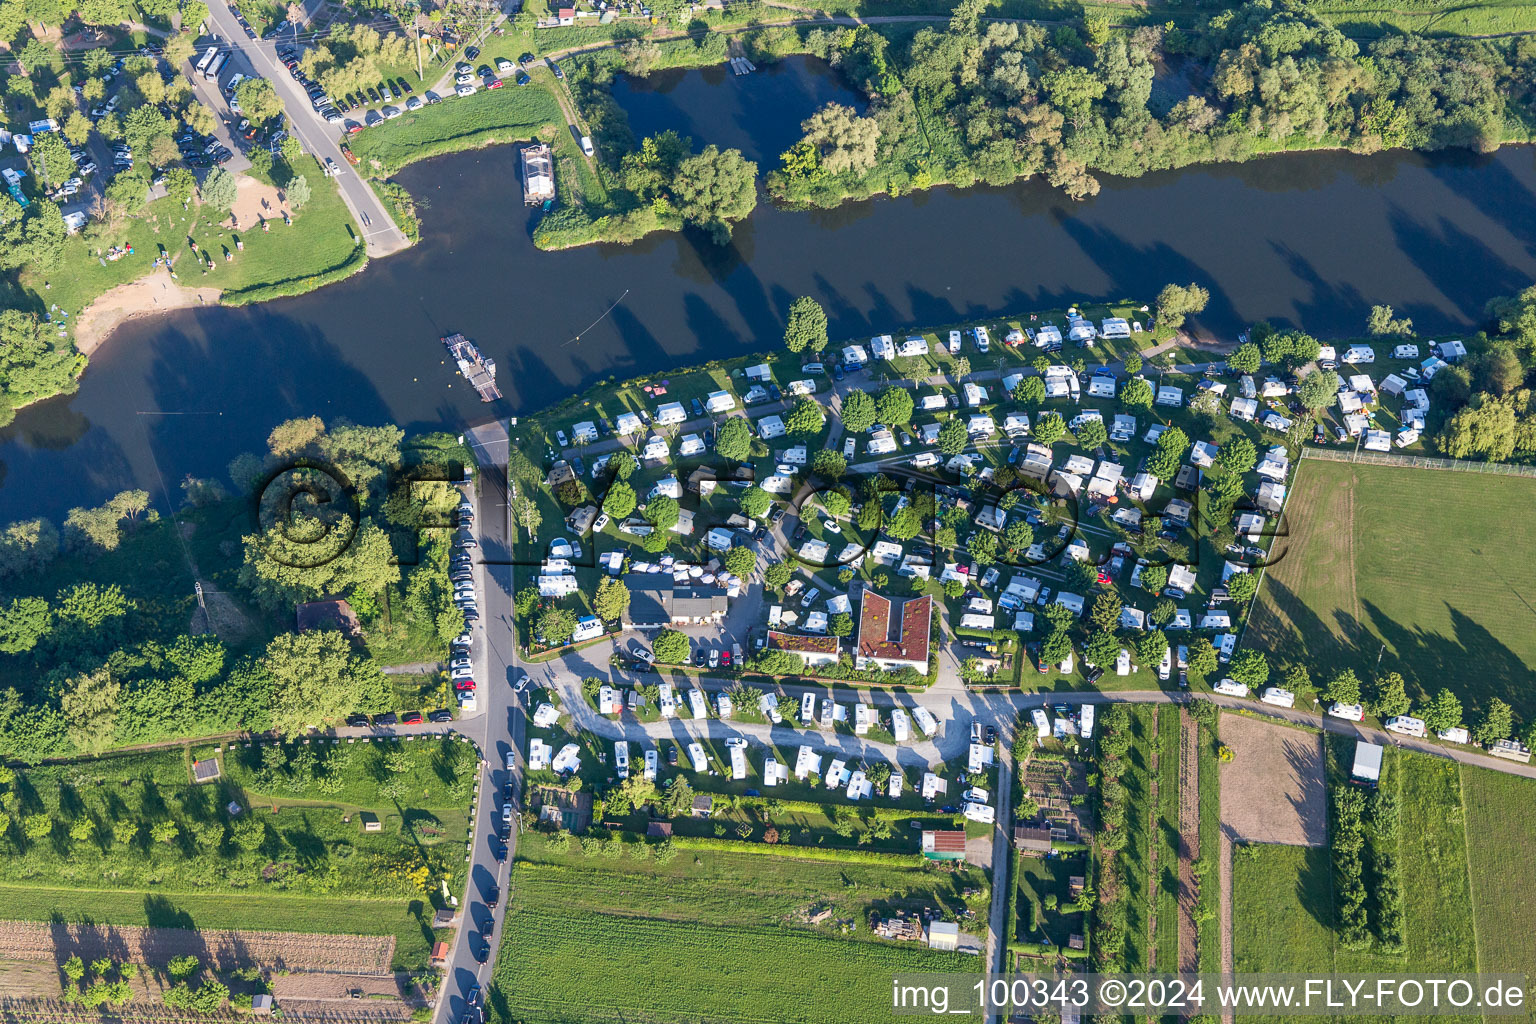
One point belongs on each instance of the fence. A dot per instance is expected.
(1417, 462)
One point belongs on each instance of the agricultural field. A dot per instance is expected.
(715, 936)
(1282, 911)
(1368, 553)
(129, 840)
(1500, 814)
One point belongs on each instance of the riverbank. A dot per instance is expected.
(157, 293)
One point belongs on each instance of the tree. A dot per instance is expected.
(555, 626)
(1442, 712)
(1132, 363)
(843, 140)
(1242, 586)
(807, 325)
(1246, 358)
(755, 502)
(611, 600)
(219, 190)
(1056, 647)
(297, 191)
(91, 706)
(1317, 389)
(50, 159)
(27, 546)
(778, 574)
(982, 547)
(1496, 723)
(619, 502)
(1092, 434)
(1050, 428)
(526, 513)
(1202, 657)
(895, 405)
(1154, 578)
(714, 189)
(734, 441)
(258, 100)
(953, 436)
(1151, 646)
(740, 561)
(671, 647)
(829, 465)
(1102, 648)
(841, 624)
(858, 412)
(1250, 668)
(1382, 323)
(315, 679)
(23, 622)
(1299, 681)
(1343, 688)
(164, 831)
(1170, 448)
(1105, 613)
(805, 417)
(1137, 393)
(77, 129)
(662, 512)
(1391, 697)
(1176, 302)
(1237, 456)
(1030, 391)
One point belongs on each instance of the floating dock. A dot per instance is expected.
(478, 370)
(538, 175)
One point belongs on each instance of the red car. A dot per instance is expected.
(354, 129)
(464, 685)
(725, 657)
(411, 718)
(497, 84)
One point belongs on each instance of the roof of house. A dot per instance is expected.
(659, 830)
(808, 644)
(1027, 835)
(945, 841)
(912, 625)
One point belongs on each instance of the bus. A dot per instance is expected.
(211, 72)
(202, 65)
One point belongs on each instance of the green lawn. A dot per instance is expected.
(1282, 909)
(320, 244)
(460, 122)
(1427, 570)
(1500, 826)
(707, 936)
(310, 866)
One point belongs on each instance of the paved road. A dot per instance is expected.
(318, 136)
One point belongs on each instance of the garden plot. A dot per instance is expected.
(1272, 791)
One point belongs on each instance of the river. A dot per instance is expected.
(1310, 240)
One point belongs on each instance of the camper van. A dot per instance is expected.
(1085, 722)
(925, 721)
(1348, 712)
(696, 755)
(621, 758)
(807, 709)
(650, 766)
(1280, 698)
(1042, 724)
(1231, 687)
(1406, 726)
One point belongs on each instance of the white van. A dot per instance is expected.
(954, 342)
(1406, 726)
(1231, 687)
(1280, 698)
(983, 340)
(621, 758)
(1348, 712)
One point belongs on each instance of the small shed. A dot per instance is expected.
(943, 935)
(1367, 766)
(261, 1004)
(370, 821)
(1031, 839)
(206, 770)
(944, 844)
(440, 951)
(703, 805)
(659, 830)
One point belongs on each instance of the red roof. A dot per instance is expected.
(911, 624)
(944, 842)
(808, 644)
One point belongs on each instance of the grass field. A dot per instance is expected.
(1209, 863)
(1282, 909)
(1133, 861)
(1501, 822)
(1434, 566)
(706, 936)
(464, 122)
(320, 242)
(128, 840)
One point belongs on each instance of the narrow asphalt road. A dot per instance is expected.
(259, 57)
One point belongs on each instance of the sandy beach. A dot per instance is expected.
(155, 293)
